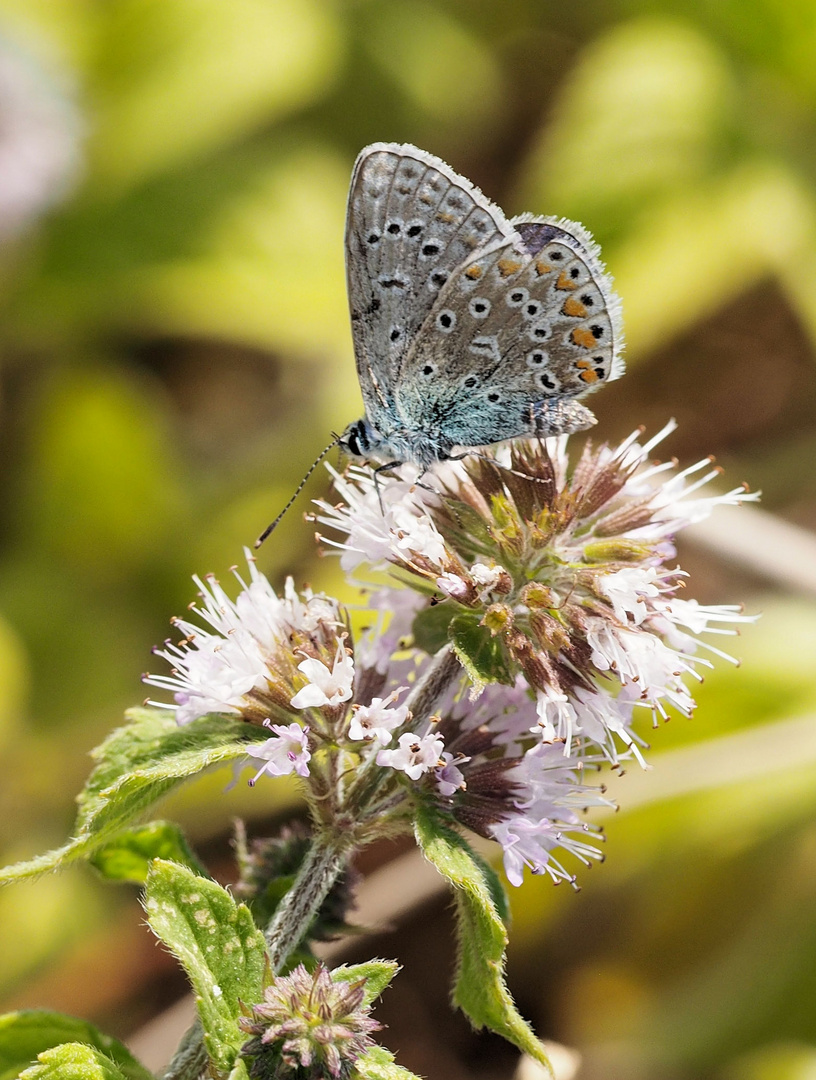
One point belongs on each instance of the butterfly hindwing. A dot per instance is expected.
(519, 326)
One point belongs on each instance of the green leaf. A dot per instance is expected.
(378, 1064)
(377, 974)
(479, 988)
(219, 946)
(27, 1034)
(136, 765)
(239, 1071)
(73, 1061)
(430, 627)
(480, 654)
(128, 856)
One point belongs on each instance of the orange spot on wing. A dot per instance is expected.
(565, 281)
(508, 267)
(582, 336)
(542, 268)
(588, 376)
(474, 272)
(573, 306)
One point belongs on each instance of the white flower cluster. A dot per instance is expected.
(563, 569)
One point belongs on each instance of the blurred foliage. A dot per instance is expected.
(174, 350)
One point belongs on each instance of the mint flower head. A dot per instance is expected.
(308, 1027)
(561, 572)
(534, 610)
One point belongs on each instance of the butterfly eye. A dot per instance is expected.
(493, 397)
(414, 229)
(428, 370)
(437, 280)
(395, 334)
(470, 382)
(479, 307)
(445, 321)
(429, 249)
(537, 358)
(532, 309)
(373, 238)
(394, 227)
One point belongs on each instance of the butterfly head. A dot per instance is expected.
(361, 441)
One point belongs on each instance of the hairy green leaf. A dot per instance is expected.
(377, 974)
(378, 1064)
(26, 1034)
(479, 988)
(135, 766)
(73, 1061)
(128, 856)
(217, 943)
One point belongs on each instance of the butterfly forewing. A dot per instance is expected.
(412, 222)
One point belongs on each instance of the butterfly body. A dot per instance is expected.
(468, 328)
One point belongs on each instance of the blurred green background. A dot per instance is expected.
(174, 350)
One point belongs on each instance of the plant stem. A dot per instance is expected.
(324, 862)
(435, 680)
(190, 1059)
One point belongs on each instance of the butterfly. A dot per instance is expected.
(469, 328)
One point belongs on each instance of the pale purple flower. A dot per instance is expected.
(377, 721)
(415, 755)
(286, 752)
(395, 609)
(326, 687)
(529, 842)
(453, 585)
(449, 777)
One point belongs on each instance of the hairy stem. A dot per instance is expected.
(443, 669)
(190, 1059)
(325, 861)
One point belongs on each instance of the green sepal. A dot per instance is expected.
(218, 945)
(479, 987)
(135, 766)
(480, 653)
(26, 1034)
(377, 974)
(239, 1071)
(73, 1061)
(377, 1063)
(128, 856)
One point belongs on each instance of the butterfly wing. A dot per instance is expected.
(523, 327)
(411, 222)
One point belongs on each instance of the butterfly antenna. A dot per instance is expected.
(271, 527)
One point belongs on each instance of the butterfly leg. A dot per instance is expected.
(382, 468)
(499, 465)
